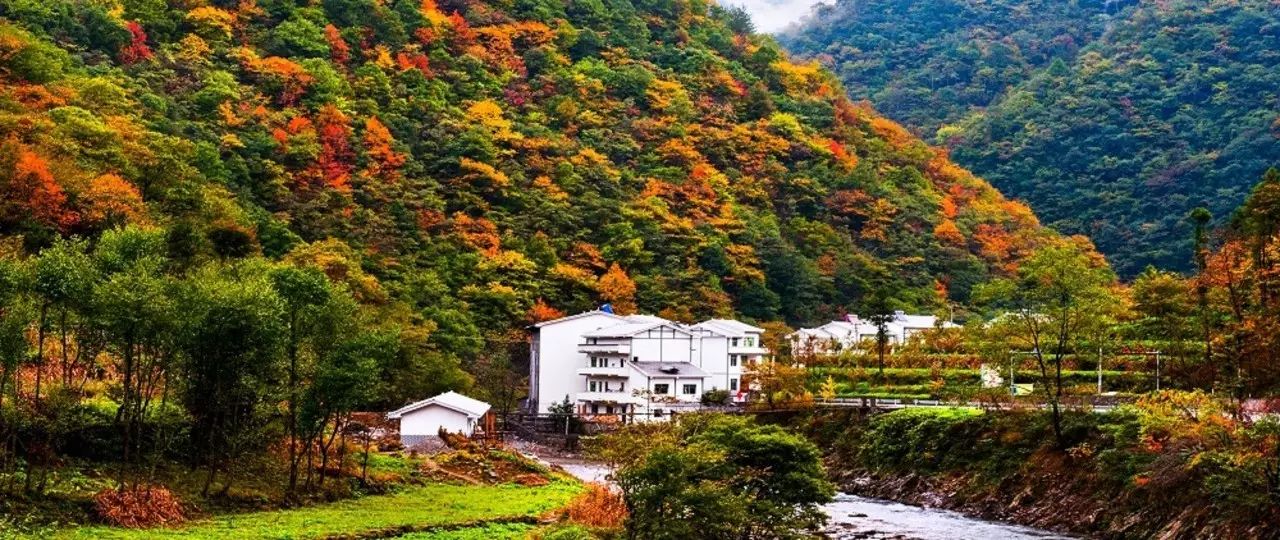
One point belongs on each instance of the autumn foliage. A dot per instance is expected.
(597, 506)
(138, 507)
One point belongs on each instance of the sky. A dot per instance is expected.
(773, 15)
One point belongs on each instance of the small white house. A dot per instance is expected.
(422, 421)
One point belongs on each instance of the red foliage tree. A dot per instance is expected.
(336, 157)
(339, 51)
(137, 49)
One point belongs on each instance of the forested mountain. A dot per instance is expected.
(486, 163)
(929, 63)
(1174, 105)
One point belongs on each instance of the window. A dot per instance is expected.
(594, 361)
(751, 342)
(733, 384)
(733, 360)
(734, 342)
(591, 386)
(661, 388)
(595, 408)
(690, 389)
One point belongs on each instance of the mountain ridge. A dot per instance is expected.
(1167, 107)
(490, 163)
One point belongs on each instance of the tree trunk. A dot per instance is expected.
(44, 313)
(293, 403)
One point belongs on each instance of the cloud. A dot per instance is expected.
(773, 15)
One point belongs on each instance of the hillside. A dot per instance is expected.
(483, 164)
(1173, 105)
(927, 64)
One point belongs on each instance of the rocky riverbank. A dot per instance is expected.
(1136, 473)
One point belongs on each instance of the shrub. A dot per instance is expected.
(598, 506)
(139, 507)
(715, 397)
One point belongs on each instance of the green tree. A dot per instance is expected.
(345, 380)
(304, 291)
(64, 277)
(723, 476)
(232, 346)
(1057, 300)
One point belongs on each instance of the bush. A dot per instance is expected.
(139, 507)
(715, 397)
(599, 507)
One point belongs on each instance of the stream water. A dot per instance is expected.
(853, 517)
(857, 518)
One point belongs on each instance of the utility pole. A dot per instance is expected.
(1099, 369)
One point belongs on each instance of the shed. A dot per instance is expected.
(421, 421)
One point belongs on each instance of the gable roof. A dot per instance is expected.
(631, 329)
(682, 370)
(728, 327)
(449, 400)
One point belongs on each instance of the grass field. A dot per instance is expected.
(503, 531)
(417, 507)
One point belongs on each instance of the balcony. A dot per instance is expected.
(613, 371)
(608, 397)
(618, 349)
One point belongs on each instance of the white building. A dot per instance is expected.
(453, 412)
(638, 364)
(854, 332)
(726, 348)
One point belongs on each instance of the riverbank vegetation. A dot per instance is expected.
(716, 476)
(1173, 464)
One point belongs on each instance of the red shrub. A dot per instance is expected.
(143, 506)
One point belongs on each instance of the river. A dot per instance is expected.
(857, 518)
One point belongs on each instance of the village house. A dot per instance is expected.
(853, 332)
(422, 421)
(638, 365)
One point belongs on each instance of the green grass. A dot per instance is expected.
(501, 531)
(425, 506)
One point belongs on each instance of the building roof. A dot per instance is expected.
(449, 400)
(579, 316)
(682, 370)
(728, 327)
(631, 329)
(639, 318)
(855, 326)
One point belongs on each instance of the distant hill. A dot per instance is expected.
(1159, 108)
(489, 163)
(928, 63)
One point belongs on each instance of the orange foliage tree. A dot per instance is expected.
(617, 288)
(31, 191)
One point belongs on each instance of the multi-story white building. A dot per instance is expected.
(853, 332)
(604, 363)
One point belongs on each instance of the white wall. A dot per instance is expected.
(428, 420)
(662, 345)
(713, 357)
(558, 360)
